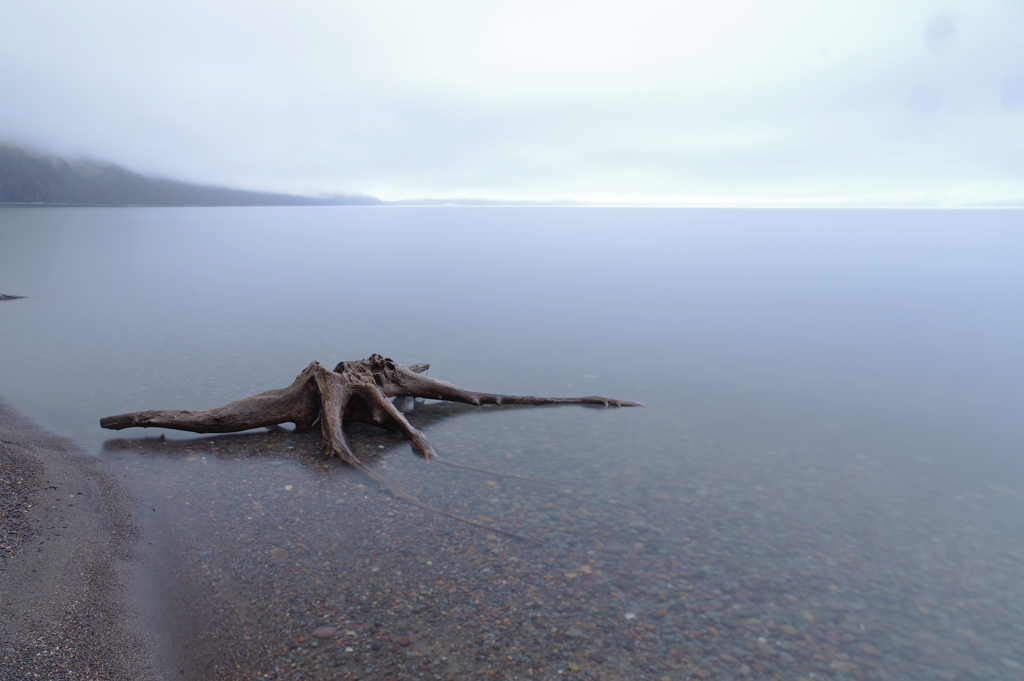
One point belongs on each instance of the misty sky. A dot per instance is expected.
(907, 102)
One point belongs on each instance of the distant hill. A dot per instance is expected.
(29, 178)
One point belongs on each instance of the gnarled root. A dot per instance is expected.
(354, 391)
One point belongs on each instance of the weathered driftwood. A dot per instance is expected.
(354, 391)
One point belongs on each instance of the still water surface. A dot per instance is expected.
(827, 481)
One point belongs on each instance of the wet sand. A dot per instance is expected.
(68, 563)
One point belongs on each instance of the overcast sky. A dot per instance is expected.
(694, 101)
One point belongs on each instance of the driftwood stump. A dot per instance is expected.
(354, 391)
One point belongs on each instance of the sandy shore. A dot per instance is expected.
(67, 563)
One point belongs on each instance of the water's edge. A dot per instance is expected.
(77, 586)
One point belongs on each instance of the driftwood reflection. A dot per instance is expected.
(370, 444)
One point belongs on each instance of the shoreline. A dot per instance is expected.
(69, 560)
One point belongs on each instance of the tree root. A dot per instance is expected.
(357, 391)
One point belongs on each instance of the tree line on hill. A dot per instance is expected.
(28, 178)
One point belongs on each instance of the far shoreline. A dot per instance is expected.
(793, 207)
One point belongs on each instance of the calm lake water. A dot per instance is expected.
(827, 481)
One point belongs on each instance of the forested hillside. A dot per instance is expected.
(29, 178)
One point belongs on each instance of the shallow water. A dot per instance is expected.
(827, 481)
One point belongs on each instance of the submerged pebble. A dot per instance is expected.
(725, 563)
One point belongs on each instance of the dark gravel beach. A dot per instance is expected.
(67, 565)
(733, 561)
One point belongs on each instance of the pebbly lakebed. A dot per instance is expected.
(826, 481)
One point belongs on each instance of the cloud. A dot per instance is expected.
(778, 99)
(1012, 92)
(940, 33)
(926, 97)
